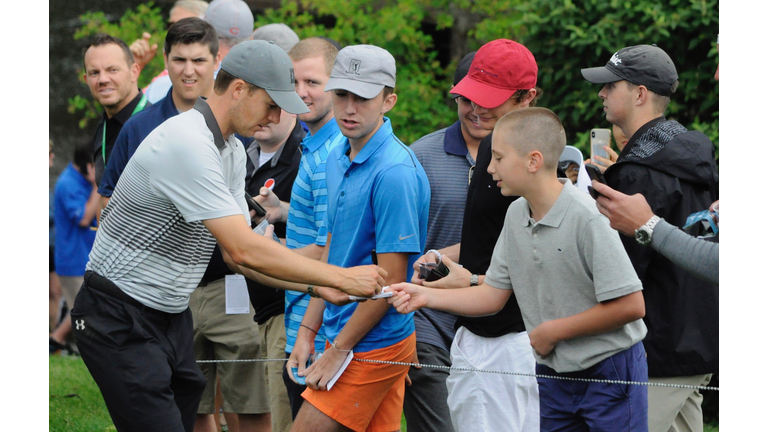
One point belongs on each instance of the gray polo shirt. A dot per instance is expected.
(151, 240)
(563, 265)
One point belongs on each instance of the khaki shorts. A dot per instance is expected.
(218, 336)
(273, 347)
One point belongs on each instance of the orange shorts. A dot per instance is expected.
(368, 396)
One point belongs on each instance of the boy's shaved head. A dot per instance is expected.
(533, 129)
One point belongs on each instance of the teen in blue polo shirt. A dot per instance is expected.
(378, 200)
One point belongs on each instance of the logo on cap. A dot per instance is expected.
(234, 30)
(293, 77)
(354, 67)
(615, 59)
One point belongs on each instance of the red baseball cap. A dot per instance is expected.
(499, 69)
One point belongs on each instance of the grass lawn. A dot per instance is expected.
(75, 402)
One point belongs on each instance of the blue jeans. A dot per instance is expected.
(590, 406)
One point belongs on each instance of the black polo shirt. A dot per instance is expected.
(279, 174)
(483, 220)
(114, 125)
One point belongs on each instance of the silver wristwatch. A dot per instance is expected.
(644, 234)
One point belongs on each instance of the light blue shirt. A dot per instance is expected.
(306, 219)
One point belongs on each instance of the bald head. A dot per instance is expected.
(533, 129)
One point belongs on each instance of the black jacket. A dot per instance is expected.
(676, 171)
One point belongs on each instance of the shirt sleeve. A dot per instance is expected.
(497, 275)
(194, 181)
(698, 257)
(397, 206)
(73, 200)
(320, 203)
(606, 260)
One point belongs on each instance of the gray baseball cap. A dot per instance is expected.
(646, 65)
(231, 18)
(266, 65)
(363, 70)
(279, 33)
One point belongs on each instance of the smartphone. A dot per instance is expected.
(597, 139)
(255, 206)
(594, 174)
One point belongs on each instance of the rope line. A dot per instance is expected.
(463, 369)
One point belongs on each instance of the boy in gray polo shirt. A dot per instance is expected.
(578, 293)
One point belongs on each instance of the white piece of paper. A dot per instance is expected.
(236, 295)
(385, 293)
(340, 371)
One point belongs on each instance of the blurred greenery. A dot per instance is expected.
(563, 35)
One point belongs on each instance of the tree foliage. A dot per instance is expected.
(564, 36)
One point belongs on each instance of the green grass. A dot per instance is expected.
(75, 402)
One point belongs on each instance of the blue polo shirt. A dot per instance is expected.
(74, 242)
(306, 219)
(378, 201)
(133, 133)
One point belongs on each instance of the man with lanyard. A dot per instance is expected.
(112, 76)
(191, 55)
(182, 191)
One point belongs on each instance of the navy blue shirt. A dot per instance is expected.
(132, 134)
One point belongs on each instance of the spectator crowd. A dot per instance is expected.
(254, 202)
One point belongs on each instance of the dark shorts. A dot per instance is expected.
(590, 406)
(141, 359)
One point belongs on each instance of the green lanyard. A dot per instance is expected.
(139, 107)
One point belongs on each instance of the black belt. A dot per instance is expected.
(106, 286)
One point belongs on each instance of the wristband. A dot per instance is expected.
(439, 255)
(309, 328)
(311, 291)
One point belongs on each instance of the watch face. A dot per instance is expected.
(642, 236)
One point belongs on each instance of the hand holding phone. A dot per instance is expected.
(255, 206)
(594, 174)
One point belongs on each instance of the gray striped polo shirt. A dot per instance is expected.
(151, 241)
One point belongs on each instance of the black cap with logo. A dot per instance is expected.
(646, 65)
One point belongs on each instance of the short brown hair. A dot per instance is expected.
(315, 47)
(534, 129)
(224, 79)
(104, 39)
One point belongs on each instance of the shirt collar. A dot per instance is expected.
(373, 144)
(454, 141)
(202, 106)
(127, 110)
(637, 135)
(556, 214)
(168, 106)
(313, 142)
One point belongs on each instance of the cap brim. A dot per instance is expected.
(289, 101)
(362, 89)
(482, 94)
(600, 75)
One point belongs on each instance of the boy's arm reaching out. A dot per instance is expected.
(470, 301)
(604, 317)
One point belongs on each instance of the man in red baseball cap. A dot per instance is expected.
(501, 79)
